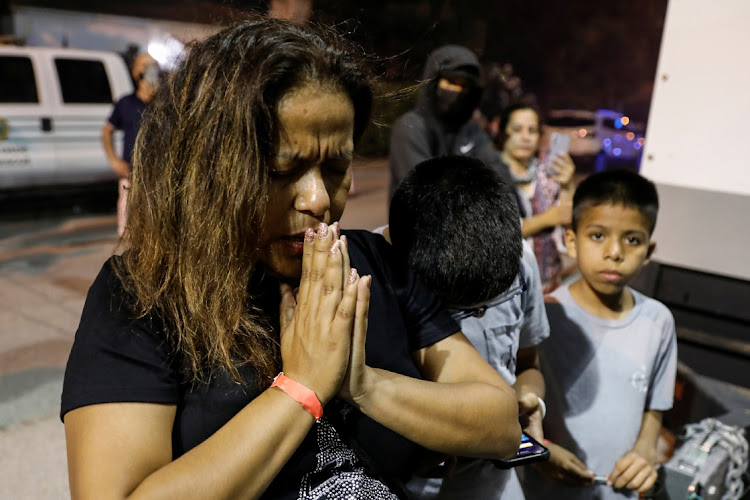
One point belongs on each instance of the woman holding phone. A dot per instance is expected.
(544, 192)
(243, 345)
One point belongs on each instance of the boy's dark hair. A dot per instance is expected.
(617, 187)
(456, 223)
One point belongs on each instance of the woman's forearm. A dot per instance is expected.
(242, 458)
(124, 450)
(464, 418)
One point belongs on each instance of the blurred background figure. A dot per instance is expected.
(126, 116)
(297, 11)
(441, 122)
(502, 88)
(544, 189)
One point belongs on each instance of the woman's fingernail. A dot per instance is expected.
(322, 230)
(352, 276)
(334, 247)
(346, 242)
(309, 235)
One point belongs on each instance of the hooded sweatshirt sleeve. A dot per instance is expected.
(409, 146)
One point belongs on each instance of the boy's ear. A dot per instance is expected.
(570, 243)
(651, 248)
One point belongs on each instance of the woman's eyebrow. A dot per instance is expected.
(287, 155)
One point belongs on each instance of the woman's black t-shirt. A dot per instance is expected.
(118, 359)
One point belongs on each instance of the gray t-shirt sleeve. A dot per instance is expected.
(661, 389)
(535, 327)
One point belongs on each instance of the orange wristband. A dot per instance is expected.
(300, 394)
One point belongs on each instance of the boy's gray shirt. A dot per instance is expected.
(518, 323)
(601, 376)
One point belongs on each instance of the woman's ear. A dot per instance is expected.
(570, 243)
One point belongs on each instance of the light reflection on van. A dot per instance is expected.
(604, 135)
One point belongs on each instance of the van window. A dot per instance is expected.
(17, 84)
(83, 81)
(570, 121)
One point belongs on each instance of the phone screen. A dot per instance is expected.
(529, 451)
(558, 143)
(529, 447)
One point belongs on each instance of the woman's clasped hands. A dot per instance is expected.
(324, 324)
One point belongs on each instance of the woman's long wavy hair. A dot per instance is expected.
(199, 186)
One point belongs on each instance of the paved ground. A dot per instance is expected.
(45, 272)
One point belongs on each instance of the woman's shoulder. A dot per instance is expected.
(109, 309)
(372, 245)
(363, 237)
(117, 356)
(371, 254)
(107, 285)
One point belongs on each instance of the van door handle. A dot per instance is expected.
(47, 124)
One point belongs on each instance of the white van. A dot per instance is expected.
(53, 104)
(604, 134)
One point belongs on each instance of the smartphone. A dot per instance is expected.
(558, 143)
(529, 452)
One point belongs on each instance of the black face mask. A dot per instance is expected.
(455, 108)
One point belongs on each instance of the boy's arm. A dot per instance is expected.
(635, 470)
(529, 388)
(564, 467)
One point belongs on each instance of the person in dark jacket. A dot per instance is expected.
(441, 122)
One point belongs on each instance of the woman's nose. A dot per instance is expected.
(312, 194)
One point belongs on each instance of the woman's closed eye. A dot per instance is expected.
(338, 167)
(276, 173)
(285, 166)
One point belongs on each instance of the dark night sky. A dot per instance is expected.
(578, 53)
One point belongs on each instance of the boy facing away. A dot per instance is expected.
(455, 222)
(611, 357)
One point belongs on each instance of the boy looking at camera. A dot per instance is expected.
(611, 357)
(455, 223)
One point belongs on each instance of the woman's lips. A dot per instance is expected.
(293, 244)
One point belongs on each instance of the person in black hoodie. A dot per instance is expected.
(441, 122)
